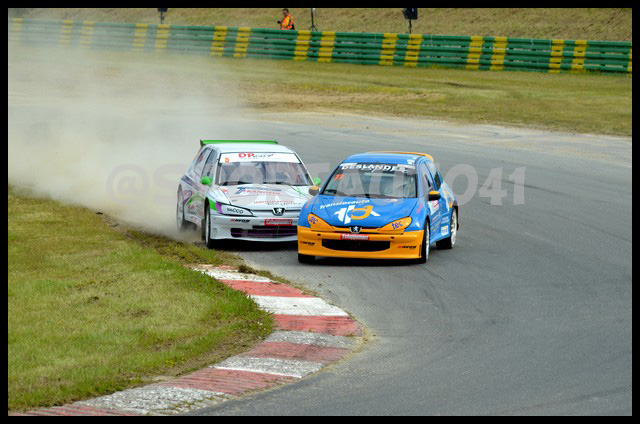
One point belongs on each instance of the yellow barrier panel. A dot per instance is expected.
(302, 45)
(242, 42)
(86, 34)
(162, 37)
(577, 64)
(388, 49)
(557, 51)
(475, 50)
(326, 42)
(65, 32)
(16, 30)
(219, 37)
(139, 37)
(498, 53)
(413, 50)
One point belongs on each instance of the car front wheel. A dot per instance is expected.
(426, 245)
(206, 229)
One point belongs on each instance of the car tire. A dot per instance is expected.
(182, 224)
(426, 245)
(306, 259)
(450, 241)
(206, 229)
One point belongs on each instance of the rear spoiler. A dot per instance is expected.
(406, 153)
(203, 142)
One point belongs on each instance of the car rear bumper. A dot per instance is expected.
(347, 245)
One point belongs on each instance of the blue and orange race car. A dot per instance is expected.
(382, 205)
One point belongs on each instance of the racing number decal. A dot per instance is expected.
(368, 210)
(344, 216)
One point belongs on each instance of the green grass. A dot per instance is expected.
(583, 103)
(92, 310)
(578, 103)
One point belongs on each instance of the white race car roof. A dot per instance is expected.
(249, 147)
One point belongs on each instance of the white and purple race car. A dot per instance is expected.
(243, 189)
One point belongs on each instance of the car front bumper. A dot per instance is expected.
(346, 245)
(254, 228)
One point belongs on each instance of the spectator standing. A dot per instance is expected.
(287, 21)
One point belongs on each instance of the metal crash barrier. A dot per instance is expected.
(412, 50)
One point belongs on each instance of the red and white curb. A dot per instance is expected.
(310, 334)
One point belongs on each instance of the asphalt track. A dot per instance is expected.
(529, 314)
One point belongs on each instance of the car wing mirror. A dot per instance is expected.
(434, 195)
(206, 181)
(317, 181)
(313, 190)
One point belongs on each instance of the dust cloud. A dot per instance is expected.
(113, 131)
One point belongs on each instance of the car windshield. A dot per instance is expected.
(261, 168)
(373, 180)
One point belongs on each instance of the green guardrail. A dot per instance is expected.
(411, 50)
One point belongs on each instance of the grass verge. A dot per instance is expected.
(579, 103)
(92, 310)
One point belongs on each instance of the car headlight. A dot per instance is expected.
(397, 225)
(223, 209)
(318, 224)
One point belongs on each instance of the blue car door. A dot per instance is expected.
(442, 227)
(433, 207)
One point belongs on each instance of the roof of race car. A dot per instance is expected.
(251, 147)
(387, 157)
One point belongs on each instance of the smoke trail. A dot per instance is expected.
(112, 131)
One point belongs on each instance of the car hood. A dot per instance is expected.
(349, 211)
(266, 196)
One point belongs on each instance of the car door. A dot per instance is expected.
(211, 165)
(208, 170)
(433, 207)
(443, 205)
(194, 206)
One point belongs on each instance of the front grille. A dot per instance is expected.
(356, 245)
(264, 231)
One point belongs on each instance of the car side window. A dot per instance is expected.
(209, 166)
(424, 174)
(197, 169)
(436, 175)
(198, 159)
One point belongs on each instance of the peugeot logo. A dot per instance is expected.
(278, 211)
(356, 229)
